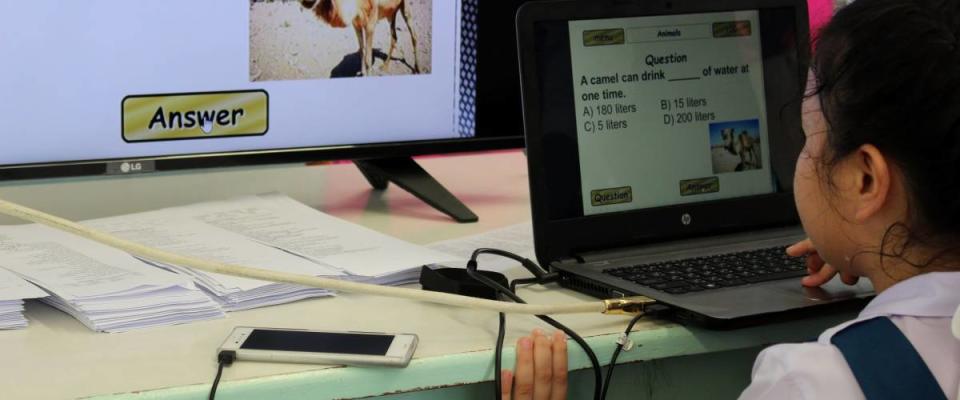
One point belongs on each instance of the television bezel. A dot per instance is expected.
(262, 157)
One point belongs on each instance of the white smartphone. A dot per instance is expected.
(321, 347)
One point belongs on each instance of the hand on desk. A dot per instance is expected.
(820, 272)
(541, 369)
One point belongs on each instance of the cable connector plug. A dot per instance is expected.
(226, 357)
(635, 305)
(625, 342)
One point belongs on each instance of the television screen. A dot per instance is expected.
(100, 80)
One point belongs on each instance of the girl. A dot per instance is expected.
(877, 187)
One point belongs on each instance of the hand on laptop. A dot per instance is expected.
(820, 271)
(541, 369)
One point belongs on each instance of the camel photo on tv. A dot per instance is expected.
(311, 39)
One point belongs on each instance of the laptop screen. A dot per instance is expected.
(670, 109)
(657, 111)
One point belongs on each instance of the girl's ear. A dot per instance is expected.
(872, 180)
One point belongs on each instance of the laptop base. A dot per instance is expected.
(687, 317)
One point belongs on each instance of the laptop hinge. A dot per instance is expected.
(592, 256)
(575, 259)
(720, 242)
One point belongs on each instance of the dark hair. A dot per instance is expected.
(888, 74)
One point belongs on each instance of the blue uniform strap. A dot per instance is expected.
(884, 362)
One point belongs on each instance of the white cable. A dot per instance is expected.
(29, 214)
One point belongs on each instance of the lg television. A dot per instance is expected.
(113, 87)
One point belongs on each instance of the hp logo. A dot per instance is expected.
(686, 219)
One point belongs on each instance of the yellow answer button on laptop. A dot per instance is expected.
(195, 115)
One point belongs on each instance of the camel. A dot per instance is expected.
(749, 149)
(364, 15)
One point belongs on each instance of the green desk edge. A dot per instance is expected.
(657, 342)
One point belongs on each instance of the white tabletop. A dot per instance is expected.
(56, 357)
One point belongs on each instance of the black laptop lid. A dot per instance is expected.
(650, 121)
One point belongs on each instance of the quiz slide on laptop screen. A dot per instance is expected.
(670, 110)
(99, 79)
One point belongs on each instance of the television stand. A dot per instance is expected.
(408, 175)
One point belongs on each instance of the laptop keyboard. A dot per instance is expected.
(714, 272)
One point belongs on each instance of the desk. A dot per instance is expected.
(56, 357)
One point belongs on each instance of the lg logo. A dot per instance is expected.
(686, 219)
(128, 167)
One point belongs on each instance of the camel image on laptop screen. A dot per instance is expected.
(311, 39)
(735, 146)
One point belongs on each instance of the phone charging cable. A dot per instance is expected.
(225, 359)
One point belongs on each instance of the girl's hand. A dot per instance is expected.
(820, 272)
(541, 370)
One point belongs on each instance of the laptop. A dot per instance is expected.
(661, 139)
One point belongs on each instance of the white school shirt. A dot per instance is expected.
(924, 307)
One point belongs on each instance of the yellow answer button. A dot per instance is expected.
(195, 115)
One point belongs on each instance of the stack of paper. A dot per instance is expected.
(13, 290)
(235, 294)
(109, 290)
(104, 288)
(279, 221)
(173, 231)
(517, 239)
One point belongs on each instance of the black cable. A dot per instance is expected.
(225, 358)
(216, 381)
(594, 362)
(498, 357)
(616, 353)
(541, 277)
(515, 282)
(501, 334)
(531, 266)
